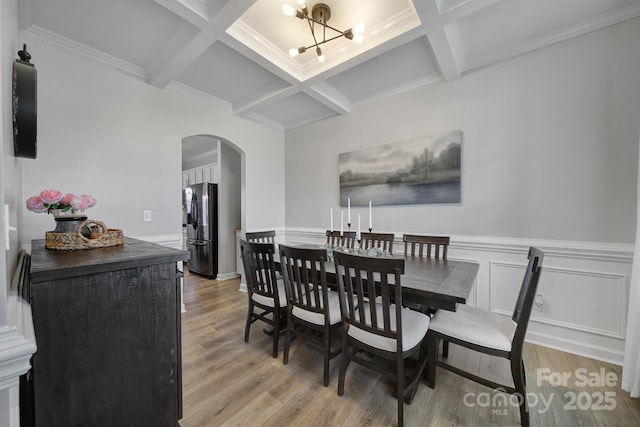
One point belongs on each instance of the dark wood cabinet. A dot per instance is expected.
(107, 326)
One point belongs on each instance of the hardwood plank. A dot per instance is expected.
(229, 382)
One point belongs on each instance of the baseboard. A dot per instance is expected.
(15, 356)
(227, 276)
(596, 274)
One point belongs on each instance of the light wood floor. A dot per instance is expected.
(227, 382)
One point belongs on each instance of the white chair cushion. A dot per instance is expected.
(317, 318)
(414, 327)
(282, 296)
(476, 326)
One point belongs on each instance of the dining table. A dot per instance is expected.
(427, 283)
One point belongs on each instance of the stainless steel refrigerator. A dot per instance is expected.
(200, 204)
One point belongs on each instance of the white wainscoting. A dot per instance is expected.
(582, 294)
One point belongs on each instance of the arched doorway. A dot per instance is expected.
(212, 159)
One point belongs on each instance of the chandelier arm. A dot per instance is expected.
(323, 24)
(313, 33)
(323, 42)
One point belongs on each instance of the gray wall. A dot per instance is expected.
(550, 146)
(229, 210)
(104, 133)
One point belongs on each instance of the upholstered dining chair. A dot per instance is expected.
(346, 239)
(374, 325)
(268, 236)
(490, 333)
(383, 241)
(314, 310)
(267, 294)
(436, 246)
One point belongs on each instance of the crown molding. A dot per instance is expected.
(405, 87)
(86, 51)
(202, 95)
(584, 27)
(336, 52)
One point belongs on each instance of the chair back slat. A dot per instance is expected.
(259, 268)
(382, 241)
(436, 245)
(305, 277)
(346, 239)
(261, 236)
(368, 287)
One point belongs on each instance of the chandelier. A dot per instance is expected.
(320, 14)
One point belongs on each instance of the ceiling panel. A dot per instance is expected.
(296, 109)
(513, 22)
(236, 51)
(407, 63)
(228, 75)
(131, 30)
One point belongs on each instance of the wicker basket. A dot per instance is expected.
(90, 234)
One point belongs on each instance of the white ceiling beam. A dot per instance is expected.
(191, 11)
(459, 9)
(177, 56)
(264, 99)
(328, 96)
(436, 32)
(181, 51)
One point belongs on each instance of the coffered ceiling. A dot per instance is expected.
(234, 53)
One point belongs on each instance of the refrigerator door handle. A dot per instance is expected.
(197, 243)
(194, 211)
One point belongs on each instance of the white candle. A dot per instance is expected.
(370, 217)
(359, 236)
(349, 210)
(331, 213)
(341, 222)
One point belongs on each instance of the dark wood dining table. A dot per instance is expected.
(429, 283)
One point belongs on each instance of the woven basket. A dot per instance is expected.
(90, 234)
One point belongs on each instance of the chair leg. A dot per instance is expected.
(327, 350)
(343, 367)
(445, 349)
(432, 355)
(276, 332)
(248, 325)
(287, 341)
(517, 372)
(400, 388)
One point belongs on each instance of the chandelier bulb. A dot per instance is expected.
(288, 10)
(320, 55)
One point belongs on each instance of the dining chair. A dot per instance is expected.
(313, 312)
(439, 244)
(490, 333)
(383, 241)
(261, 236)
(267, 294)
(377, 330)
(346, 239)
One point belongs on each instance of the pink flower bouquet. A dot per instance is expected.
(52, 200)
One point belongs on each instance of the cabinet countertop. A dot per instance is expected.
(47, 264)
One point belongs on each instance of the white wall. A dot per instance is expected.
(550, 143)
(107, 134)
(550, 158)
(229, 208)
(15, 351)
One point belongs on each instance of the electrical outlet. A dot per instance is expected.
(538, 303)
(146, 216)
